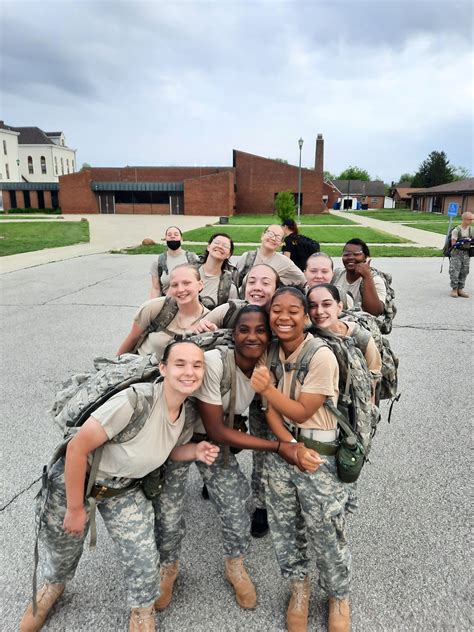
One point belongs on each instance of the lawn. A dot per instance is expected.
(265, 220)
(323, 234)
(10, 217)
(403, 216)
(29, 236)
(333, 251)
(434, 227)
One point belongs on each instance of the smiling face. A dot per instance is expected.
(324, 310)
(352, 255)
(260, 286)
(287, 317)
(318, 270)
(251, 336)
(184, 368)
(272, 237)
(220, 248)
(184, 284)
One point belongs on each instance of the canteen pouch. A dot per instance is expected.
(152, 483)
(349, 461)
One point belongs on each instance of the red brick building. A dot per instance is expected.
(249, 186)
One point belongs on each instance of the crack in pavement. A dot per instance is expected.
(17, 495)
(434, 328)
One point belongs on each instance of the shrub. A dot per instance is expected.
(36, 211)
(285, 206)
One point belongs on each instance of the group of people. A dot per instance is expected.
(197, 412)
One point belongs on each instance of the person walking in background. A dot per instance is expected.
(174, 256)
(462, 244)
(295, 246)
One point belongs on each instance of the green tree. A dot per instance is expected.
(85, 166)
(282, 160)
(327, 175)
(461, 173)
(433, 171)
(354, 173)
(285, 206)
(406, 177)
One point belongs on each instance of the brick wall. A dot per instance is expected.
(210, 195)
(258, 179)
(75, 195)
(152, 174)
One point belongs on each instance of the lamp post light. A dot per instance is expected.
(300, 145)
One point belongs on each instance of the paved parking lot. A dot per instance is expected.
(409, 541)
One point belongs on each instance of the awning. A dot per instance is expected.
(29, 186)
(137, 186)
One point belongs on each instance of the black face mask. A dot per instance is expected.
(173, 244)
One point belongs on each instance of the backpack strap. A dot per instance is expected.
(162, 265)
(361, 337)
(235, 305)
(250, 257)
(160, 322)
(225, 283)
(301, 366)
(228, 382)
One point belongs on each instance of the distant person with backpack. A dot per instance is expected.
(271, 240)
(296, 246)
(225, 394)
(303, 507)
(174, 256)
(157, 321)
(462, 245)
(218, 275)
(63, 512)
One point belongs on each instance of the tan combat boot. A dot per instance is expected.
(46, 597)
(236, 574)
(297, 613)
(339, 615)
(168, 576)
(462, 293)
(454, 293)
(142, 620)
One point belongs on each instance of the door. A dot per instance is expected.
(176, 205)
(107, 203)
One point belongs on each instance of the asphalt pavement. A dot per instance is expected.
(410, 540)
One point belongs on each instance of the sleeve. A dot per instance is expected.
(210, 390)
(372, 356)
(292, 275)
(149, 311)
(154, 268)
(217, 315)
(323, 374)
(456, 234)
(380, 287)
(286, 245)
(115, 414)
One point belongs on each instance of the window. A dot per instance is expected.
(67, 165)
(375, 200)
(7, 171)
(13, 199)
(62, 166)
(30, 165)
(5, 147)
(43, 164)
(26, 199)
(72, 165)
(56, 165)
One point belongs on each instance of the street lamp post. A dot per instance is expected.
(300, 145)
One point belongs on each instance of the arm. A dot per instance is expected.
(370, 299)
(130, 342)
(276, 425)
(89, 437)
(202, 451)
(155, 290)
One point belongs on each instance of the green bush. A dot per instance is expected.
(37, 211)
(285, 206)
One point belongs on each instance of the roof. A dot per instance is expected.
(29, 135)
(405, 192)
(460, 186)
(137, 186)
(360, 187)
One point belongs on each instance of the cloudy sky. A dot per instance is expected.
(185, 82)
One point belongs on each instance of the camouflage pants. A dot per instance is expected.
(228, 491)
(258, 427)
(315, 503)
(129, 521)
(458, 268)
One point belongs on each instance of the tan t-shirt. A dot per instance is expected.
(149, 448)
(354, 288)
(210, 390)
(156, 341)
(211, 285)
(322, 378)
(288, 272)
(372, 355)
(171, 262)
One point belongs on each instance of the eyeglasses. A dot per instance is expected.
(221, 244)
(272, 235)
(345, 255)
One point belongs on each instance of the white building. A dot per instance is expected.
(31, 155)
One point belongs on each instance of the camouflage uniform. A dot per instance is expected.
(258, 427)
(319, 499)
(228, 491)
(129, 520)
(458, 268)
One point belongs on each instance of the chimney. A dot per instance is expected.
(319, 157)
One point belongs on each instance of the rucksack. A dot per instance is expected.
(235, 305)
(225, 283)
(191, 257)
(306, 247)
(249, 262)
(367, 323)
(447, 248)
(160, 323)
(355, 411)
(385, 319)
(209, 340)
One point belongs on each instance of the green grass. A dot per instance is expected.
(265, 220)
(10, 217)
(32, 211)
(333, 251)
(402, 216)
(29, 236)
(435, 227)
(323, 234)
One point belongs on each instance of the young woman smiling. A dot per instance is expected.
(217, 274)
(319, 499)
(174, 256)
(185, 285)
(227, 485)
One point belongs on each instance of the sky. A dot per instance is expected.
(186, 82)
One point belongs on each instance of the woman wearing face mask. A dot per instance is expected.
(292, 497)
(217, 273)
(158, 320)
(320, 269)
(167, 261)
